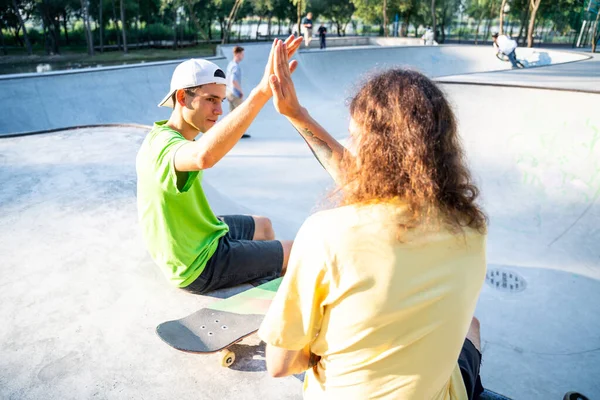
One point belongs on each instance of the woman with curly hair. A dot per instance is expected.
(380, 291)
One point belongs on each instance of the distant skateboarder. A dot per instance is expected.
(307, 26)
(507, 46)
(196, 250)
(322, 34)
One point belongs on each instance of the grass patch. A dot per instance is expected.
(76, 54)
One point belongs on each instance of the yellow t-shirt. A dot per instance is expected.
(388, 318)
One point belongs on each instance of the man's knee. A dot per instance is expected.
(263, 229)
(474, 333)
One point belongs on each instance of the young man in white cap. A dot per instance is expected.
(197, 250)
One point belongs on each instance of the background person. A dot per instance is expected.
(507, 46)
(235, 94)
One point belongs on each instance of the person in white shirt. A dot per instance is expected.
(428, 37)
(505, 45)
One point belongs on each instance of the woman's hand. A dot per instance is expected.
(284, 94)
(291, 45)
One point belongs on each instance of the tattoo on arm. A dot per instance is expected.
(319, 148)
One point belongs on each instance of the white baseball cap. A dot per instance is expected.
(192, 73)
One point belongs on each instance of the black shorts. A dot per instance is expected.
(239, 259)
(469, 362)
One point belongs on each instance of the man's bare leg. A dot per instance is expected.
(263, 230)
(473, 335)
(287, 248)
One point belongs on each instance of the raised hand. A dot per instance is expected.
(284, 93)
(291, 45)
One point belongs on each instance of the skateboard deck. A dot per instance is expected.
(221, 324)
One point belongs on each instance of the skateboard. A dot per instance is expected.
(223, 323)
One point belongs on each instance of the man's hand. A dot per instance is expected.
(291, 44)
(285, 99)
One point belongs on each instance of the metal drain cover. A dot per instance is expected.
(505, 280)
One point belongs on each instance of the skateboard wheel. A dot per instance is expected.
(227, 357)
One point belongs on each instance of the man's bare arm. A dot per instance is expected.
(220, 139)
(237, 85)
(282, 362)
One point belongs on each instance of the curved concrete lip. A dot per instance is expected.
(81, 298)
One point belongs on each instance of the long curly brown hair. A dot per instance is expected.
(408, 149)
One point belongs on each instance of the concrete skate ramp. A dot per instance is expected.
(129, 94)
(337, 70)
(80, 296)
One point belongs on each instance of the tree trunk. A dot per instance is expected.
(101, 25)
(18, 39)
(501, 27)
(4, 51)
(405, 24)
(137, 25)
(123, 27)
(52, 37)
(487, 30)
(433, 23)
(385, 21)
(65, 27)
(231, 19)
(174, 27)
(525, 16)
(116, 21)
(279, 26)
(299, 16)
(22, 24)
(258, 26)
(535, 4)
(478, 25)
(86, 25)
(595, 36)
(270, 16)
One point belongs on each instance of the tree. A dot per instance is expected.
(282, 10)
(595, 35)
(85, 11)
(481, 9)
(433, 23)
(534, 5)
(101, 25)
(22, 25)
(263, 8)
(299, 9)
(501, 23)
(123, 27)
(340, 13)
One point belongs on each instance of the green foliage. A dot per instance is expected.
(154, 19)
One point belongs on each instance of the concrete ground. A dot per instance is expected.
(81, 298)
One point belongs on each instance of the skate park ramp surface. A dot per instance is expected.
(128, 94)
(81, 298)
